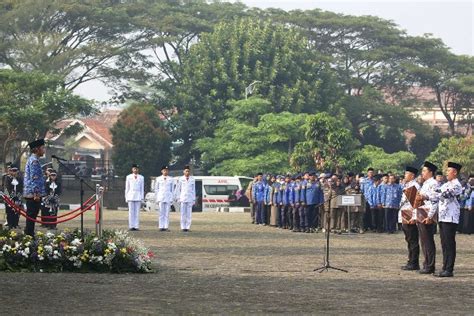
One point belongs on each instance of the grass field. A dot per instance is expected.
(227, 266)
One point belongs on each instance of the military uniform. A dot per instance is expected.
(13, 187)
(51, 201)
(164, 189)
(448, 217)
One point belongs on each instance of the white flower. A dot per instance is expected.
(48, 249)
(76, 242)
(49, 235)
(27, 251)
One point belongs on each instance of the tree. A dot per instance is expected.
(32, 103)
(331, 144)
(140, 137)
(252, 139)
(75, 40)
(448, 76)
(377, 158)
(457, 149)
(236, 54)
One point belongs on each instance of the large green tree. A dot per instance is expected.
(457, 149)
(236, 54)
(32, 103)
(78, 41)
(252, 139)
(140, 137)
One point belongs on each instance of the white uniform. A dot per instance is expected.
(134, 195)
(404, 203)
(429, 190)
(164, 198)
(186, 196)
(448, 208)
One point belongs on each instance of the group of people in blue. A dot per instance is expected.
(289, 202)
(307, 202)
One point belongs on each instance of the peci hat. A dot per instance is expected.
(164, 167)
(430, 166)
(454, 165)
(135, 166)
(36, 143)
(412, 170)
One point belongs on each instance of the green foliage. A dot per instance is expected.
(249, 141)
(76, 40)
(220, 67)
(457, 149)
(377, 158)
(331, 143)
(31, 103)
(140, 137)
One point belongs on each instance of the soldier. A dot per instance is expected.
(426, 225)
(51, 200)
(14, 189)
(186, 196)
(249, 194)
(164, 197)
(448, 216)
(357, 212)
(391, 202)
(259, 197)
(34, 189)
(134, 195)
(336, 211)
(409, 223)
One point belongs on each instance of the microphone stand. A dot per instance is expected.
(81, 180)
(326, 266)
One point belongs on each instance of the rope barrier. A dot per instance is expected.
(20, 210)
(70, 212)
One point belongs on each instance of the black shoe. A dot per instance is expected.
(410, 267)
(445, 274)
(162, 229)
(426, 271)
(185, 230)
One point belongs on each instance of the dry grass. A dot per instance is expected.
(226, 265)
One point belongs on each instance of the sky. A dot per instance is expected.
(452, 21)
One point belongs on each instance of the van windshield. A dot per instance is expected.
(220, 189)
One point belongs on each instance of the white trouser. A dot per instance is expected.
(186, 212)
(134, 214)
(164, 220)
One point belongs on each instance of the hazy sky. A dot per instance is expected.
(452, 21)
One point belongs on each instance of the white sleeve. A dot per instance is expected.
(127, 187)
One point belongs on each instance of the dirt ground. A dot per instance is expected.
(227, 266)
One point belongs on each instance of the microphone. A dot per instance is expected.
(58, 158)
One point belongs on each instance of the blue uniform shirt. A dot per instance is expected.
(276, 193)
(259, 191)
(370, 192)
(366, 188)
(33, 179)
(393, 196)
(287, 198)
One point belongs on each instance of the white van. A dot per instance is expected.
(211, 192)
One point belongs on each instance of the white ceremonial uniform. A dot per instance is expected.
(164, 197)
(448, 207)
(134, 195)
(429, 189)
(404, 203)
(186, 196)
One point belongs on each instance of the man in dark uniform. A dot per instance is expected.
(51, 200)
(14, 189)
(34, 189)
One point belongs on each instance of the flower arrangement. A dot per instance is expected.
(115, 252)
